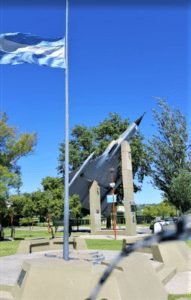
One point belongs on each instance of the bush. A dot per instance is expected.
(27, 222)
(43, 224)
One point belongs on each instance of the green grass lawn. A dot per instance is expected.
(8, 247)
(176, 297)
(109, 244)
(143, 225)
(104, 244)
(27, 234)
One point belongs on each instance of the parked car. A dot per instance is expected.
(168, 221)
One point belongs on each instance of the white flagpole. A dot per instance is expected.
(66, 184)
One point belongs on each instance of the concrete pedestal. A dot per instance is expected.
(54, 278)
(95, 208)
(128, 190)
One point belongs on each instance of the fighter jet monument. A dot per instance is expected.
(98, 169)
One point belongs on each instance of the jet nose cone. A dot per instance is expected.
(138, 121)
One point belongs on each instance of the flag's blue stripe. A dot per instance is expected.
(25, 38)
(1, 54)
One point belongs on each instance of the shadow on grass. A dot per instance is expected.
(9, 239)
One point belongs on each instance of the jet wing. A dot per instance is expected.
(94, 169)
(81, 187)
(80, 183)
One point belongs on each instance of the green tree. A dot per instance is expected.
(149, 211)
(15, 204)
(81, 145)
(75, 208)
(53, 196)
(169, 149)
(85, 140)
(13, 146)
(165, 209)
(30, 205)
(51, 199)
(7, 180)
(180, 191)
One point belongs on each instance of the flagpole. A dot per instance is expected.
(66, 183)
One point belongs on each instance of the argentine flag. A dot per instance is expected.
(18, 48)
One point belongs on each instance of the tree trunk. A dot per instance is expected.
(12, 228)
(108, 223)
(50, 229)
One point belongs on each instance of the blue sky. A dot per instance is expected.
(120, 57)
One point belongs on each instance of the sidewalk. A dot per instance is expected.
(10, 267)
